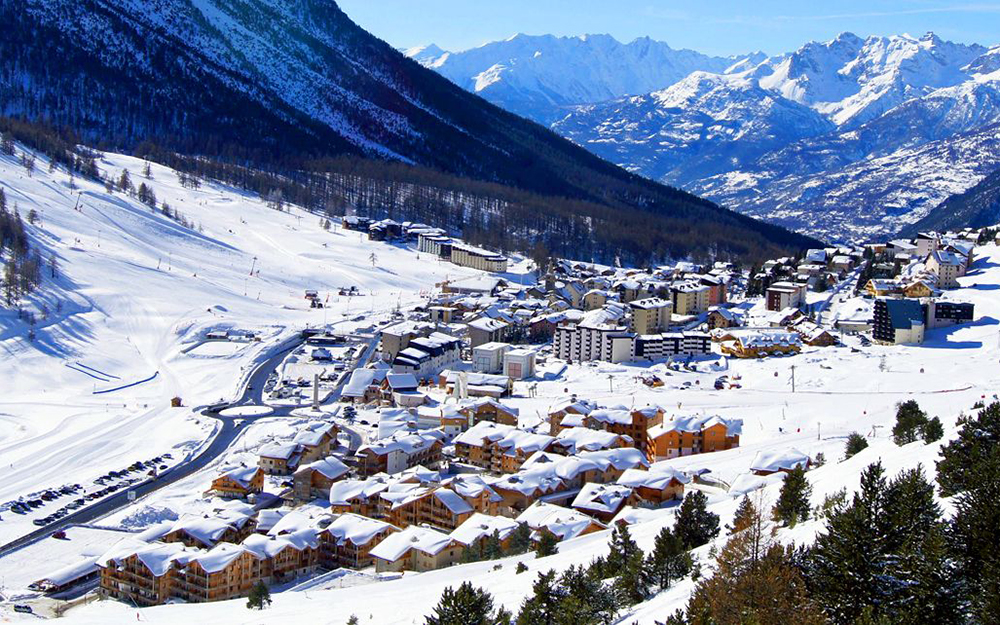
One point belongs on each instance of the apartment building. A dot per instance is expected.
(476, 258)
(649, 316)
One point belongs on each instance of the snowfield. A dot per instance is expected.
(138, 290)
(134, 296)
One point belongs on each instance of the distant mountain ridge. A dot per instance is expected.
(541, 77)
(845, 139)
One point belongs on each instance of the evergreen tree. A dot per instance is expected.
(547, 545)
(466, 606)
(977, 438)
(623, 548)
(492, 549)
(884, 558)
(125, 182)
(585, 598)
(910, 419)
(633, 582)
(974, 537)
(471, 553)
(849, 561)
(855, 443)
(933, 592)
(793, 502)
(669, 561)
(542, 607)
(353, 620)
(695, 525)
(932, 431)
(260, 597)
(520, 540)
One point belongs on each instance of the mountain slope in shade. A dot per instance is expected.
(286, 84)
(540, 76)
(978, 207)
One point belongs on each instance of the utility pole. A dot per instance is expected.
(253, 264)
(793, 378)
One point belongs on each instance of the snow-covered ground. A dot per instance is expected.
(135, 291)
(838, 390)
(123, 316)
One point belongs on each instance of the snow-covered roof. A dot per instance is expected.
(416, 537)
(576, 439)
(630, 515)
(621, 459)
(279, 451)
(207, 531)
(779, 460)
(241, 475)
(471, 485)
(343, 492)
(479, 526)
(509, 438)
(304, 518)
(565, 523)
(361, 379)
(657, 477)
(602, 498)
(223, 554)
(70, 573)
(157, 557)
(487, 324)
(452, 501)
(356, 529)
(329, 467)
(404, 442)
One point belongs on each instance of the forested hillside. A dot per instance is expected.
(297, 89)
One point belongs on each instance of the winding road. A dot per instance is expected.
(226, 433)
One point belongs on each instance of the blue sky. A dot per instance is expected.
(710, 26)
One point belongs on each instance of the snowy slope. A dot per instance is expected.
(135, 290)
(540, 76)
(838, 391)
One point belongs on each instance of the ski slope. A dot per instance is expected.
(134, 291)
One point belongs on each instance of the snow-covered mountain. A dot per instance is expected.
(701, 125)
(849, 133)
(540, 76)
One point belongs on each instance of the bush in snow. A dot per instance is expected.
(855, 443)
